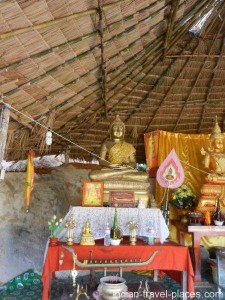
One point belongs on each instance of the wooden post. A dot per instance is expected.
(67, 155)
(4, 122)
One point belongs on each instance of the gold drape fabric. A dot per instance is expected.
(187, 148)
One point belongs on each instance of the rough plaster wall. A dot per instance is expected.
(23, 236)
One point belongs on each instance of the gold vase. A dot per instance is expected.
(183, 214)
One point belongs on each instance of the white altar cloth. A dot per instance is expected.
(99, 216)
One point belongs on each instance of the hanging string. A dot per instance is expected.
(193, 167)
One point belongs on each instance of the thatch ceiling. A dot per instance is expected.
(72, 65)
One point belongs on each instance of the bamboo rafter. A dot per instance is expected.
(172, 16)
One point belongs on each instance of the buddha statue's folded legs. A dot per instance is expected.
(112, 174)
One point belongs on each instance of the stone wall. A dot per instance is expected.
(23, 236)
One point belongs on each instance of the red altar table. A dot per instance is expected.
(172, 258)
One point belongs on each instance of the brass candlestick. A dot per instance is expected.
(81, 291)
(70, 225)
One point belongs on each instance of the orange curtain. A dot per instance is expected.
(151, 151)
(158, 145)
(29, 179)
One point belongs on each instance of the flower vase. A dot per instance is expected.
(53, 241)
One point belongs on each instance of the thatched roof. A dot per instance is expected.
(72, 65)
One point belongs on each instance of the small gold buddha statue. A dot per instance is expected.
(214, 161)
(118, 158)
(87, 237)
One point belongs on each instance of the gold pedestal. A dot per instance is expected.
(141, 190)
(87, 240)
(209, 192)
(133, 240)
(183, 213)
(69, 241)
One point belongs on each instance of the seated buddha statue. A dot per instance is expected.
(118, 158)
(214, 161)
(215, 157)
(87, 237)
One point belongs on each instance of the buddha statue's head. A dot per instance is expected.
(117, 128)
(216, 138)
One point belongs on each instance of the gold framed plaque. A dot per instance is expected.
(92, 194)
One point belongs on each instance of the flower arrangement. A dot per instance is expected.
(54, 226)
(183, 197)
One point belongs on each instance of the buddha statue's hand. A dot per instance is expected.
(203, 152)
(213, 177)
(118, 166)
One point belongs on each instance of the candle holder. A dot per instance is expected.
(70, 225)
(133, 225)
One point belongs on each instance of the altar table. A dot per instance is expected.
(172, 258)
(100, 216)
(197, 232)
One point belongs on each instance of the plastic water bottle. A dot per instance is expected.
(107, 235)
(151, 234)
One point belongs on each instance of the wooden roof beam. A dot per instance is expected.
(103, 72)
(172, 17)
(15, 117)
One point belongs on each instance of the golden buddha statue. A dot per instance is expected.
(87, 236)
(214, 161)
(215, 157)
(118, 158)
